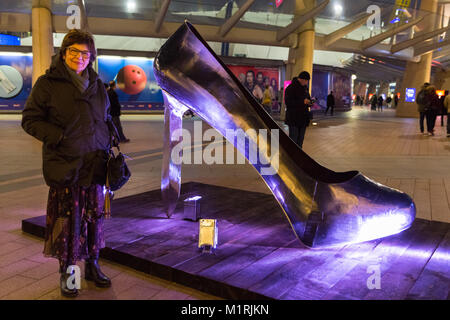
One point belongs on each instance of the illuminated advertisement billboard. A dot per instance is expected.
(410, 95)
(15, 80)
(136, 85)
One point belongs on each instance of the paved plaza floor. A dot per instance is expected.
(388, 149)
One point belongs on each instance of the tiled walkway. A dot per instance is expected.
(387, 149)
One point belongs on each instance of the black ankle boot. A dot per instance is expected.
(92, 272)
(65, 291)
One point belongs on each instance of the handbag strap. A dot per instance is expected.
(113, 135)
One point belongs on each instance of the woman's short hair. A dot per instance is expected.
(79, 37)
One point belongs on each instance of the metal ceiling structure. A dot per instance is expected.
(378, 53)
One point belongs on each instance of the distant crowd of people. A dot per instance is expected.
(430, 105)
(377, 102)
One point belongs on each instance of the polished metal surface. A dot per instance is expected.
(323, 207)
(171, 171)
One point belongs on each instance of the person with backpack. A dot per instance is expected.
(380, 102)
(434, 108)
(422, 107)
(446, 106)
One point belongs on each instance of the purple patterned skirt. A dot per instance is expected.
(74, 223)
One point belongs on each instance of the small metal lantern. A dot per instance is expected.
(207, 235)
(192, 208)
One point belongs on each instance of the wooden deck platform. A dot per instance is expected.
(258, 255)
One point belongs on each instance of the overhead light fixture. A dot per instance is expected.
(338, 9)
(354, 77)
(131, 6)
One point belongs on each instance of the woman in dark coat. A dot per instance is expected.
(298, 103)
(68, 111)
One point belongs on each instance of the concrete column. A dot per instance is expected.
(301, 56)
(417, 73)
(440, 78)
(42, 37)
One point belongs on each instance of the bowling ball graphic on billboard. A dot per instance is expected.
(131, 79)
(136, 84)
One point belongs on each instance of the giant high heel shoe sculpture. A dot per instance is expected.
(323, 207)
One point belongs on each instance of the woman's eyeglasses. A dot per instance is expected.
(75, 52)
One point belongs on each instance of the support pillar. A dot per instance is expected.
(417, 73)
(301, 56)
(42, 37)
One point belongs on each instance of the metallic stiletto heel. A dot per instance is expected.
(323, 207)
(171, 171)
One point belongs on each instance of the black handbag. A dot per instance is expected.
(117, 171)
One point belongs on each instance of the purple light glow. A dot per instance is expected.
(379, 226)
(195, 198)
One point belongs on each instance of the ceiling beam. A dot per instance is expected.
(389, 33)
(161, 15)
(431, 47)
(420, 38)
(340, 33)
(299, 21)
(441, 53)
(375, 67)
(146, 28)
(18, 22)
(354, 46)
(15, 22)
(231, 22)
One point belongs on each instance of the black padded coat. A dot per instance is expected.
(72, 126)
(297, 113)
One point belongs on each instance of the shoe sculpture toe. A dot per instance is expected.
(355, 211)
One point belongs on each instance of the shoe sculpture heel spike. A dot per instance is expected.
(171, 171)
(323, 207)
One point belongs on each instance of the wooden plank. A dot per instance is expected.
(204, 261)
(398, 280)
(315, 284)
(434, 281)
(354, 284)
(253, 274)
(227, 267)
(199, 263)
(283, 279)
(225, 236)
